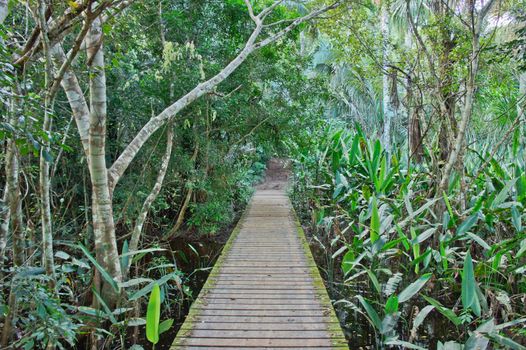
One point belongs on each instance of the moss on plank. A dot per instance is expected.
(197, 305)
(333, 325)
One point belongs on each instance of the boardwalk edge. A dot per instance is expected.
(333, 326)
(196, 307)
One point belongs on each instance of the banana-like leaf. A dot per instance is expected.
(153, 315)
(413, 288)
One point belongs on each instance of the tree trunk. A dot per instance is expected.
(44, 179)
(4, 10)
(4, 225)
(186, 202)
(104, 226)
(521, 106)
(17, 230)
(470, 93)
(387, 97)
(136, 235)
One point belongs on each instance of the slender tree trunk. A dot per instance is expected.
(521, 106)
(4, 10)
(388, 110)
(413, 116)
(104, 226)
(75, 96)
(470, 93)
(4, 203)
(44, 179)
(186, 202)
(17, 230)
(137, 230)
(4, 225)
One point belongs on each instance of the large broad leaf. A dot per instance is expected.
(371, 312)
(506, 342)
(165, 325)
(449, 345)
(125, 260)
(153, 315)
(107, 277)
(413, 288)
(503, 194)
(467, 224)
(403, 344)
(469, 291)
(375, 222)
(391, 306)
(450, 314)
(420, 317)
(477, 339)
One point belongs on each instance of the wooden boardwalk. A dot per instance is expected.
(265, 291)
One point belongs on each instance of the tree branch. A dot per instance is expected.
(123, 161)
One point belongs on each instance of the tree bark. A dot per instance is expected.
(521, 106)
(104, 226)
(182, 212)
(387, 97)
(75, 96)
(4, 225)
(470, 92)
(4, 10)
(44, 179)
(137, 230)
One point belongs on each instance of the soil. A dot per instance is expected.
(277, 174)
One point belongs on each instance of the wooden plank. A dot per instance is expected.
(252, 348)
(260, 302)
(259, 326)
(262, 320)
(251, 342)
(265, 290)
(250, 334)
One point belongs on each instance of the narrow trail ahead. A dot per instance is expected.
(265, 291)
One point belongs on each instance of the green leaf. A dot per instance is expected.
(105, 307)
(141, 251)
(145, 290)
(468, 292)
(404, 344)
(347, 262)
(516, 219)
(165, 325)
(467, 224)
(153, 315)
(503, 194)
(371, 312)
(506, 342)
(413, 288)
(374, 280)
(421, 316)
(124, 258)
(448, 206)
(375, 222)
(444, 310)
(391, 306)
(102, 271)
